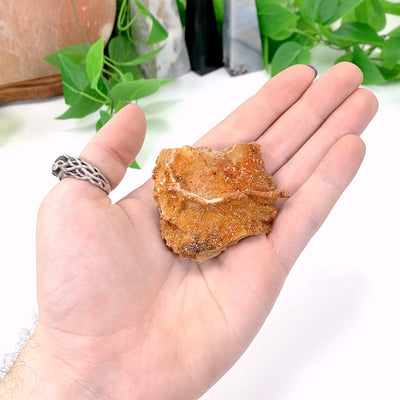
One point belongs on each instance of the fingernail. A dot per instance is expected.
(314, 69)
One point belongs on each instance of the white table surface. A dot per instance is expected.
(334, 332)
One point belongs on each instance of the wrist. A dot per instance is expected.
(40, 374)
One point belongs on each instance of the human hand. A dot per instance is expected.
(120, 316)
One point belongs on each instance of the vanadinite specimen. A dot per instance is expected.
(209, 199)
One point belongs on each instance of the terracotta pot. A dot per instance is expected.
(30, 30)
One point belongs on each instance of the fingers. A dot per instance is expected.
(306, 210)
(351, 117)
(254, 116)
(301, 121)
(114, 147)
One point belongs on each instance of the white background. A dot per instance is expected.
(334, 332)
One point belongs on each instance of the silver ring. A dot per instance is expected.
(72, 167)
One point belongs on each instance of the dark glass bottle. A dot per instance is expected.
(203, 41)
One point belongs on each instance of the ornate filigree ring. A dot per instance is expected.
(72, 167)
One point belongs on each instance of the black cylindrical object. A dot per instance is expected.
(203, 41)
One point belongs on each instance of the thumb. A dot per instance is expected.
(114, 147)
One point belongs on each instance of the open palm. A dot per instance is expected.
(135, 321)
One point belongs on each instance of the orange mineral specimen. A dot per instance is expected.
(209, 199)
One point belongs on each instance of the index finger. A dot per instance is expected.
(254, 116)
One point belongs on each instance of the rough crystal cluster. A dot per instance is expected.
(209, 199)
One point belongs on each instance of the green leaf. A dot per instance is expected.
(81, 109)
(182, 11)
(219, 6)
(127, 77)
(128, 91)
(392, 74)
(120, 104)
(134, 70)
(350, 16)
(346, 57)
(372, 75)
(318, 10)
(357, 32)
(391, 52)
(391, 7)
(326, 10)
(290, 53)
(285, 34)
(94, 92)
(395, 32)
(303, 40)
(89, 101)
(76, 53)
(275, 19)
(157, 33)
(344, 7)
(371, 12)
(143, 58)
(331, 39)
(135, 165)
(105, 116)
(121, 49)
(94, 62)
(265, 3)
(309, 9)
(74, 80)
(307, 30)
(99, 125)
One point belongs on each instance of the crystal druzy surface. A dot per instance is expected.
(209, 199)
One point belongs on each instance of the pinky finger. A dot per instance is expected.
(303, 214)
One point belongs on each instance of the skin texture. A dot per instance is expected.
(121, 317)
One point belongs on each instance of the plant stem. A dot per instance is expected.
(311, 36)
(121, 12)
(105, 97)
(371, 50)
(109, 73)
(85, 94)
(78, 24)
(124, 18)
(105, 81)
(129, 24)
(122, 15)
(110, 63)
